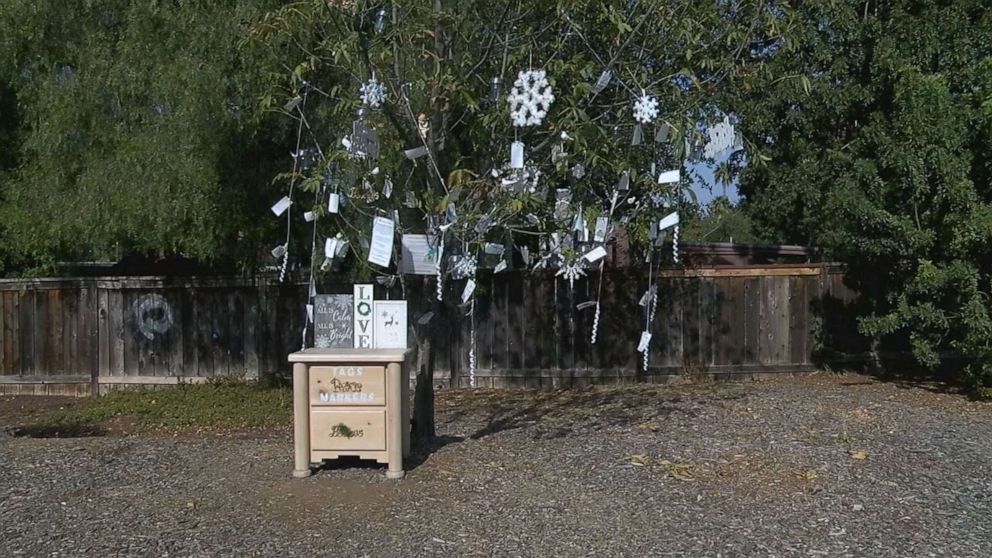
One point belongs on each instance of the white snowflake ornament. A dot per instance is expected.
(531, 98)
(373, 93)
(646, 109)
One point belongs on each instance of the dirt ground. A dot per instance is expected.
(825, 465)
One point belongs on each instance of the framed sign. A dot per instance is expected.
(390, 324)
(333, 322)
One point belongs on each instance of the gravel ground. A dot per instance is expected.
(824, 465)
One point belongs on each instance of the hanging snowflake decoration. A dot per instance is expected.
(721, 137)
(531, 98)
(373, 93)
(463, 267)
(571, 272)
(645, 109)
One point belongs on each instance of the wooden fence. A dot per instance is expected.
(81, 336)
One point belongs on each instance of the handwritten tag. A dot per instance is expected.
(415, 152)
(309, 216)
(601, 225)
(330, 247)
(645, 341)
(517, 155)
(670, 177)
(494, 249)
(468, 290)
(310, 313)
(279, 251)
(595, 254)
(602, 82)
(426, 318)
(624, 182)
(381, 248)
(333, 202)
(501, 266)
(387, 188)
(281, 206)
(669, 220)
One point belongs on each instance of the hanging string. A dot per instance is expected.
(292, 185)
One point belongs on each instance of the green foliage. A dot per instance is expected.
(881, 154)
(220, 404)
(438, 59)
(131, 130)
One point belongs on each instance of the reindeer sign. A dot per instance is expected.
(390, 324)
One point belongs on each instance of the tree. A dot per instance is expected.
(876, 121)
(446, 68)
(125, 128)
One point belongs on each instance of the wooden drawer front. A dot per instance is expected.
(333, 429)
(348, 385)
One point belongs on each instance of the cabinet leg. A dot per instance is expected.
(301, 420)
(394, 412)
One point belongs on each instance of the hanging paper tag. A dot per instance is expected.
(645, 298)
(342, 248)
(279, 251)
(309, 216)
(416, 152)
(468, 290)
(668, 221)
(310, 313)
(602, 81)
(292, 103)
(333, 202)
(387, 188)
(494, 249)
(381, 248)
(313, 289)
(624, 182)
(525, 254)
(330, 247)
(501, 266)
(662, 133)
(638, 136)
(669, 177)
(601, 225)
(426, 318)
(517, 155)
(644, 342)
(595, 254)
(281, 206)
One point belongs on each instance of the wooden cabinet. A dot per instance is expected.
(351, 402)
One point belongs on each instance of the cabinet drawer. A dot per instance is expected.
(334, 429)
(348, 385)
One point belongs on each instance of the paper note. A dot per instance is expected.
(387, 188)
(645, 341)
(310, 313)
(281, 206)
(363, 317)
(418, 257)
(595, 254)
(426, 318)
(602, 81)
(381, 248)
(624, 182)
(333, 201)
(517, 155)
(501, 266)
(468, 290)
(330, 247)
(669, 220)
(279, 251)
(309, 216)
(416, 152)
(670, 177)
(601, 225)
(494, 249)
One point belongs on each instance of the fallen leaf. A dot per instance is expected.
(860, 455)
(808, 474)
(649, 426)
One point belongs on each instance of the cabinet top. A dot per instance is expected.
(350, 355)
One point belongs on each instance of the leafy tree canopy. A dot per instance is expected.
(125, 128)
(882, 153)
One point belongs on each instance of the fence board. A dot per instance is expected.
(528, 328)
